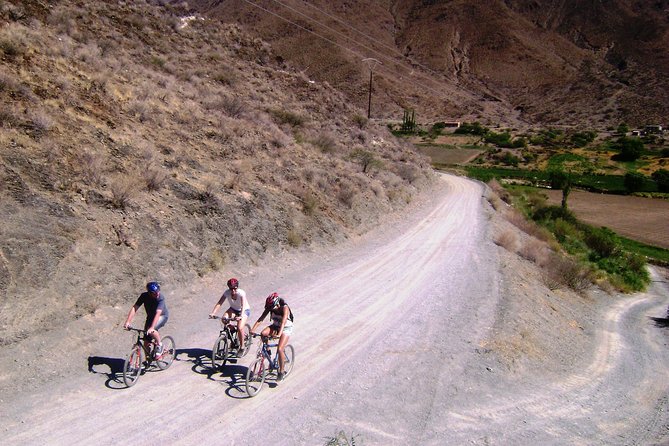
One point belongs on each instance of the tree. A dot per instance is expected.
(661, 177)
(366, 159)
(630, 148)
(560, 179)
(634, 181)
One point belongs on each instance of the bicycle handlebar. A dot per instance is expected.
(139, 330)
(225, 319)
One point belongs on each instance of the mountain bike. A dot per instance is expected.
(227, 343)
(264, 364)
(142, 356)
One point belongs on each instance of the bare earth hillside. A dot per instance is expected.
(138, 143)
(512, 63)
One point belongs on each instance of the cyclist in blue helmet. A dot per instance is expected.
(156, 313)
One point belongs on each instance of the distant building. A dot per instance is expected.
(653, 129)
(452, 124)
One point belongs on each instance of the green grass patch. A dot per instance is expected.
(654, 254)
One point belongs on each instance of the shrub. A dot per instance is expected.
(507, 240)
(602, 241)
(547, 213)
(286, 117)
(360, 121)
(630, 149)
(471, 129)
(661, 177)
(326, 143)
(365, 158)
(155, 178)
(122, 190)
(634, 181)
(562, 271)
(294, 238)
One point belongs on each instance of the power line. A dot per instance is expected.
(358, 54)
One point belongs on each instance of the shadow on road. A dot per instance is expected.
(232, 374)
(660, 322)
(114, 373)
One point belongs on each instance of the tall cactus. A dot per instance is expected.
(409, 121)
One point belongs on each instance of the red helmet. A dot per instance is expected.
(272, 301)
(233, 283)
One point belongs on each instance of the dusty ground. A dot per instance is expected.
(638, 218)
(421, 332)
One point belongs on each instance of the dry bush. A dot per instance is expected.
(92, 167)
(41, 123)
(287, 117)
(139, 109)
(561, 271)
(535, 251)
(499, 190)
(123, 189)
(360, 121)
(155, 179)
(507, 240)
(294, 238)
(527, 226)
(408, 172)
(346, 194)
(309, 203)
(326, 143)
(228, 77)
(494, 200)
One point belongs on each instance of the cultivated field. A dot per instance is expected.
(643, 219)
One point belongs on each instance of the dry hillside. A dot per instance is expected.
(508, 62)
(138, 142)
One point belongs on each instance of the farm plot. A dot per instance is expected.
(446, 155)
(643, 219)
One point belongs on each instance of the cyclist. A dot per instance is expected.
(156, 314)
(239, 308)
(281, 327)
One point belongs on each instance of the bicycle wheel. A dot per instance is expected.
(169, 352)
(132, 367)
(248, 340)
(255, 376)
(219, 353)
(289, 361)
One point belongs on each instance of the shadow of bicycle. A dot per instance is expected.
(112, 368)
(660, 322)
(232, 375)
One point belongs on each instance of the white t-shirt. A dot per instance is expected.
(236, 304)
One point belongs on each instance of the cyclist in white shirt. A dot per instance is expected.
(239, 307)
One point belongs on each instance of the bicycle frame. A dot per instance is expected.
(142, 355)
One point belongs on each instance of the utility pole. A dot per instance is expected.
(371, 62)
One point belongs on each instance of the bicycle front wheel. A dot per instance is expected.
(255, 376)
(132, 367)
(289, 360)
(219, 353)
(169, 352)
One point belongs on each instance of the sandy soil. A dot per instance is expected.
(422, 332)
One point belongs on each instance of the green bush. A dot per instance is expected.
(474, 128)
(661, 178)
(630, 149)
(602, 241)
(634, 181)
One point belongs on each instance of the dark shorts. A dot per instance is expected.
(238, 313)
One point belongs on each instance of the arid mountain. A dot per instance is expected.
(513, 62)
(138, 142)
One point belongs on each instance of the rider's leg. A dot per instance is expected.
(283, 341)
(240, 328)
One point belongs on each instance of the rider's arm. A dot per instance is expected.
(260, 319)
(217, 306)
(131, 315)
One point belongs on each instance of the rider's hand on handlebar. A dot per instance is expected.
(126, 326)
(212, 316)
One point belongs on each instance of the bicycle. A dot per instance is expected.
(227, 343)
(265, 364)
(142, 356)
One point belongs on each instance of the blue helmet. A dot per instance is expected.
(153, 287)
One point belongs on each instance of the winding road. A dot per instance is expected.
(387, 330)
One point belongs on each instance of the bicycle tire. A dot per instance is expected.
(248, 340)
(255, 376)
(219, 353)
(289, 361)
(132, 367)
(169, 352)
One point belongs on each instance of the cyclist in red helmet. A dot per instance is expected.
(281, 327)
(239, 306)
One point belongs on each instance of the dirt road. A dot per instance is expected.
(389, 336)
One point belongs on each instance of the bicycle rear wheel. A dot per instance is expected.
(219, 353)
(255, 376)
(169, 352)
(289, 359)
(132, 367)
